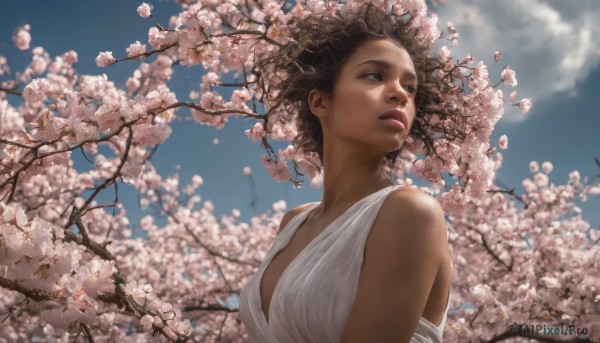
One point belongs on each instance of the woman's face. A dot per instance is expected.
(378, 80)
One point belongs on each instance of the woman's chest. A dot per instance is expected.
(317, 288)
(299, 243)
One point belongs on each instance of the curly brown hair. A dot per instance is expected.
(319, 47)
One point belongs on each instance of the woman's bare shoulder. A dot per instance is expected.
(414, 217)
(291, 214)
(403, 256)
(409, 203)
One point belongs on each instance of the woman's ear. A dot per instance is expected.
(318, 103)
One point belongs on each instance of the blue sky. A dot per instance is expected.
(548, 42)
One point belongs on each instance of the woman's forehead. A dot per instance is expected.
(384, 52)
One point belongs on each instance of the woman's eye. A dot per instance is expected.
(410, 88)
(374, 76)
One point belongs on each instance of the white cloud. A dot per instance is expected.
(551, 44)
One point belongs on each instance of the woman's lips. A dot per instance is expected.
(394, 122)
(395, 117)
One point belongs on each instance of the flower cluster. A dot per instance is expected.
(67, 277)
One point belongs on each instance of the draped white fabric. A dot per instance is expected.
(314, 295)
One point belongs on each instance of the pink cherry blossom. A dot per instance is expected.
(70, 56)
(256, 133)
(525, 105)
(279, 206)
(136, 291)
(534, 167)
(479, 78)
(151, 134)
(184, 328)
(503, 142)
(105, 59)
(39, 63)
(444, 53)
(482, 295)
(541, 180)
(278, 170)
(144, 10)
(508, 77)
(467, 59)
(450, 27)
(197, 181)
(146, 322)
(547, 167)
(37, 90)
(21, 38)
(161, 97)
(136, 49)
(497, 56)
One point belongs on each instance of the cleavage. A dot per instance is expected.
(304, 235)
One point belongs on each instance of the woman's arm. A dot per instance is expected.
(404, 253)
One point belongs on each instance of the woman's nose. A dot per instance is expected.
(396, 93)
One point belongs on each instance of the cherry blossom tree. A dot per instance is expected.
(70, 268)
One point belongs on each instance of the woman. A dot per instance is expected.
(369, 262)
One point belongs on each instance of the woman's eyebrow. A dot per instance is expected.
(381, 63)
(387, 65)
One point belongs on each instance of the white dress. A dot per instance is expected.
(314, 295)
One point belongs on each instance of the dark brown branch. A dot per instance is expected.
(209, 307)
(41, 296)
(82, 230)
(140, 311)
(114, 204)
(33, 294)
(146, 54)
(13, 187)
(93, 246)
(475, 316)
(224, 34)
(106, 182)
(510, 192)
(233, 84)
(508, 267)
(10, 91)
(222, 326)
(198, 240)
(87, 333)
(2, 140)
(263, 35)
(486, 246)
(10, 309)
(85, 155)
(205, 111)
(78, 334)
(238, 32)
(35, 150)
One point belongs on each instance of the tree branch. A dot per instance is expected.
(93, 246)
(87, 332)
(34, 294)
(209, 307)
(205, 111)
(10, 91)
(146, 54)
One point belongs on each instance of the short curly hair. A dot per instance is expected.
(319, 47)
